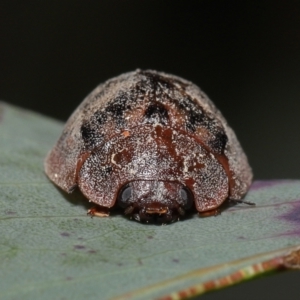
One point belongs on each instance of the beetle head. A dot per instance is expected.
(155, 201)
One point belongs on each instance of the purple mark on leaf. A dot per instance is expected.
(293, 216)
(261, 184)
(92, 251)
(290, 233)
(65, 234)
(79, 247)
(69, 278)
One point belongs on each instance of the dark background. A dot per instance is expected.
(244, 54)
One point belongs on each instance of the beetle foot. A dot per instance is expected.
(210, 213)
(181, 211)
(98, 212)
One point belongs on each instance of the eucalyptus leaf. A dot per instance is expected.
(50, 248)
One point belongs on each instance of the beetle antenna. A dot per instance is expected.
(243, 202)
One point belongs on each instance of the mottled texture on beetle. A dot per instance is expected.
(149, 126)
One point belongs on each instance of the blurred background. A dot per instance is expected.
(244, 54)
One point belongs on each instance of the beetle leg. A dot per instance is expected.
(98, 212)
(72, 188)
(137, 217)
(210, 213)
(129, 210)
(181, 211)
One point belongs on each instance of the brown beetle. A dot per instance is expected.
(155, 144)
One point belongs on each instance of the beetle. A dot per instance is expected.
(152, 144)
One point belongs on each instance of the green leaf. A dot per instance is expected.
(50, 248)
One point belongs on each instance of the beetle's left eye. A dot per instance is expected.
(186, 197)
(124, 196)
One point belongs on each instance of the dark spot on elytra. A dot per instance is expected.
(118, 106)
(156, 112)
(195, 115)
(195, 118)
(86, 132)
(65, 234)
(155, 82)
(90, 136)
(101, 117)
(115, 110)
(79, 247)
(159, 82)
(218, 144)
(139, 90)
(104, 172)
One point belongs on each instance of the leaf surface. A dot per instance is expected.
(50, 249)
